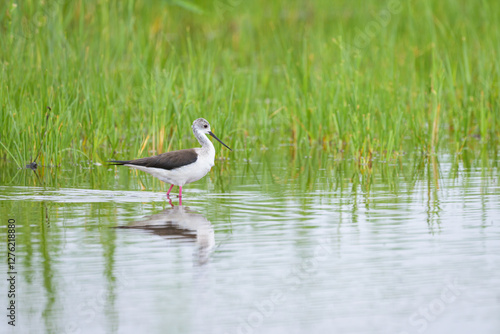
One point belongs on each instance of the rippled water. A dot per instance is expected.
(297, 246)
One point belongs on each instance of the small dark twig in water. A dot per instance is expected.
(33, 165)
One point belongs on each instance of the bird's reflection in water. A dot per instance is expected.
(180, 222)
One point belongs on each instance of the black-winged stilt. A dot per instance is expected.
(183, 166)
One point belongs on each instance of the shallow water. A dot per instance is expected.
(280, 245)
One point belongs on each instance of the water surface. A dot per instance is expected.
(285, 244)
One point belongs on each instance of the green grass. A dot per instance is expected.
(126, 79)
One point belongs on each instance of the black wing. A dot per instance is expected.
(169, 160)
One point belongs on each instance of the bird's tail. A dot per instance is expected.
(117, 162)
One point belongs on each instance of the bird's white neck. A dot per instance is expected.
(206, 144)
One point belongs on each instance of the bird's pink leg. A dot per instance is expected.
(168, 192)
(180, 195)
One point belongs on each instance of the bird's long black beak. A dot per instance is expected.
(220, 141)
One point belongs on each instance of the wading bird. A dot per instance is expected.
(180, 167)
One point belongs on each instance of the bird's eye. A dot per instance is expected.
(206, 126)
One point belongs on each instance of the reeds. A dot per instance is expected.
(367, 79)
